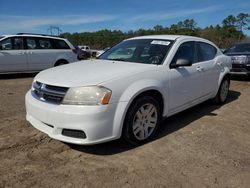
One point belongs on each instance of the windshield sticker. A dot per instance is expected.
(160, 42)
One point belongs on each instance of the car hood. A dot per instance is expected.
(238, 53)
(89, 72)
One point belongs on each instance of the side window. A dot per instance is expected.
(61, 44)
(6, 44)
(44, 44)
(31, 43)
(206, 52)
(17, 43)
(185, 51)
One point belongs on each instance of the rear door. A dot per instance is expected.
(12, 55)
(64, 51)
(208, 64)
(40, 53)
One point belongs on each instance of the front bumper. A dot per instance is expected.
(97, 122)
(240, 69)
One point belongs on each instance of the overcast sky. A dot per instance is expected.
(91, 15)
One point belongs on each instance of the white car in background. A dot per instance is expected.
(30, 52)
(129, 94)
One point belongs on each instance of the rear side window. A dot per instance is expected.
(206, 51)
(17, 43)
(45, 44)
(38, 43)
(61, 44)
(31, 43)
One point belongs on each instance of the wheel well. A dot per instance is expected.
(154, 94)
(60, 62)
(226, 76)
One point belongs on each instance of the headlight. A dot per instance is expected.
(91, 95)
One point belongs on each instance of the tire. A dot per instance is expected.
(222, 94)
(142, 120)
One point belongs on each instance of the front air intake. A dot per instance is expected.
(73, 133)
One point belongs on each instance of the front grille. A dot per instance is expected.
(48, 93)
(73, 133)
(238, 66)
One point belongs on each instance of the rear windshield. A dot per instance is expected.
(239, 48)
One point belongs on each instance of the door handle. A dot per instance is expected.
(219, 63)
(199, 69)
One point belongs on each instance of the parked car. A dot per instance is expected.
(81, 54)
(90, 52)
(86, 51)
(30, 52)
(127, 95)
(240, 55)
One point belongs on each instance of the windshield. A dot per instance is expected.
(239, 48)
(147, 51)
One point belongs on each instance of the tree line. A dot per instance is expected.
(230, 31)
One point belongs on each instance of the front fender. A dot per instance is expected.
(128, 96)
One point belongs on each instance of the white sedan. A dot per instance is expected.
(128, 90)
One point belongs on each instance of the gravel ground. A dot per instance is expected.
(206, 146)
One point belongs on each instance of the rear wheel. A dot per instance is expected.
(222, 94)
(142, 120)
(61, 62)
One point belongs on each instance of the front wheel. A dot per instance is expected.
(223, 91)
(141, 120)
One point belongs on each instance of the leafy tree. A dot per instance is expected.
(224, 35)
(243, 21)
(189, 24)
(229, 21)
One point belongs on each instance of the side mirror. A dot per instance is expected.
(181, 63)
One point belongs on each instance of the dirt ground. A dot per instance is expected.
(206, 146)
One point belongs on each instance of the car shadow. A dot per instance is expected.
(16, 75)
(168, 126)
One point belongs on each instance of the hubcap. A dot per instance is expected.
(145, 121)
(224, 90)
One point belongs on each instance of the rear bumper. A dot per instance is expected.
(97, 122)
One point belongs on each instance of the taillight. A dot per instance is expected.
(74, 50)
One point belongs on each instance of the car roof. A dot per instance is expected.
(35, 35)
(165, 37)
(173, 37)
